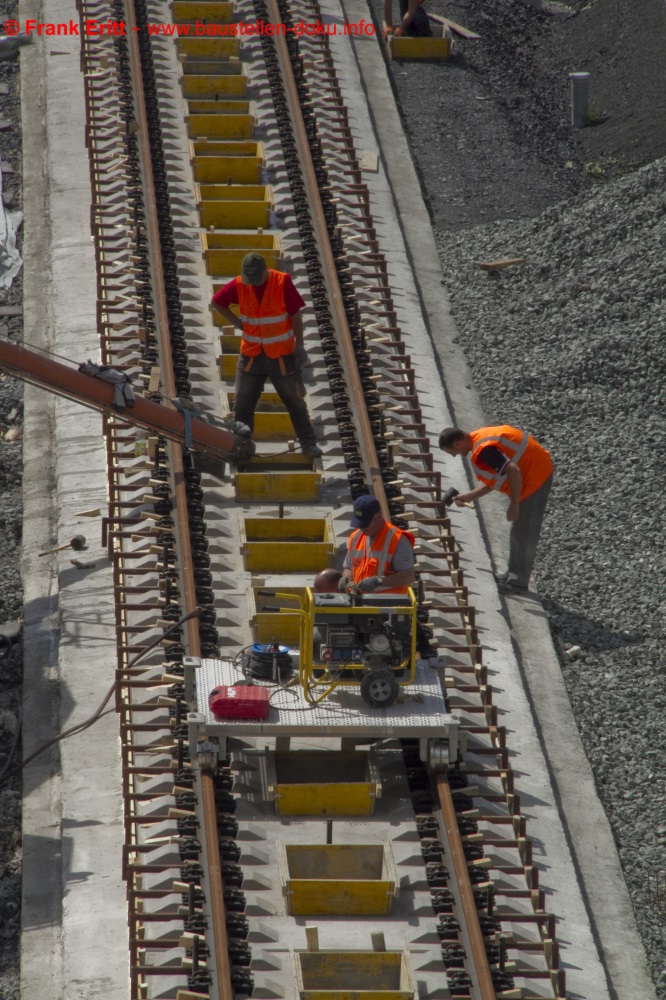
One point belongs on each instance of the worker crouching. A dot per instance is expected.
(380, 556)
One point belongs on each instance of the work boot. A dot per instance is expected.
(312, 450)
(508, 587)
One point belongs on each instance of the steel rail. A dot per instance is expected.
(215, 886)
(479, 967)
(328, 270)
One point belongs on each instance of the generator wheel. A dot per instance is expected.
(379, 688)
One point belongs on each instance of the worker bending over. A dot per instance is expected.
(271, 343)
(511, 461)
(379, 555)
(413, 19)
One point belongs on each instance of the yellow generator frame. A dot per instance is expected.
(379, 686)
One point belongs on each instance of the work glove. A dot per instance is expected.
(301, 357)
(343, 583)
(370, 584)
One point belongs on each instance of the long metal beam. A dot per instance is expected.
(165, 421)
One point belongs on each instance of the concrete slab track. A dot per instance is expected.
(74, 912)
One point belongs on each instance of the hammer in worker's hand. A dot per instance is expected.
(450, 496)
(77, 543)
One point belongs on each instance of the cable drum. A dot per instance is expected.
(268, 662)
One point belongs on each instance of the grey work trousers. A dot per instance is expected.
(289, 387)
(524, 536)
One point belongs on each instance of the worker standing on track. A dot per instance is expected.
(271, 344)
(413, 19)
(379, 555)
(511, 461)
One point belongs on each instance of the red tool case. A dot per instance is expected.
(239, 702)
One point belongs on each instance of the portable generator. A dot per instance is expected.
(366, 640)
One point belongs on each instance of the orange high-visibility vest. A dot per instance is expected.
(534, 462)
(266, 324)
(371, 557)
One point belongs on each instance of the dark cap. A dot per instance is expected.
(365, 509)
(252, 269)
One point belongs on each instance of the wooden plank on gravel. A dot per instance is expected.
(4, 88)
(498, 265)
(11, 310)
(455, 28)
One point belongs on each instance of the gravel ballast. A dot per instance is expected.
(572, 346)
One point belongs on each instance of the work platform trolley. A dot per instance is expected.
(420, 713)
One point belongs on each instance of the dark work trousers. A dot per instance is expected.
(524, 536)
(289, 387)
(420, 25)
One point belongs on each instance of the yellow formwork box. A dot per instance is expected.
(226, 364)
(286, 544)
(208, 106)
(295, 481)
(232, 169)
(221, 126)
(291, 486)
(208, 48)
(189, 11)
(272, 427)
(267, 624)
(321, 783)
(353, 975)
(338, 879)
(224, 252)
(234, 206)
(219, 87)
(435, 49)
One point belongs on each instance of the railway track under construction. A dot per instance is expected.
(345, 855)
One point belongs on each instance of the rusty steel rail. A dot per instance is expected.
(215, 885)
(329, 272)
(478, 964)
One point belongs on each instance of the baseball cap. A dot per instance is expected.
(252, 269)
(365, 509)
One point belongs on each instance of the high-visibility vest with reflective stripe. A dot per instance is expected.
(534, 462)
(267, 324)
(372, 556)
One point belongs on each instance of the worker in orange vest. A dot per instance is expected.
(379, 555)
(413, 19)
(271, 344)
(509, 460)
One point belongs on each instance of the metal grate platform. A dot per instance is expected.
(419, 711)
